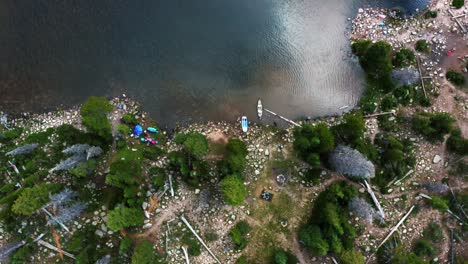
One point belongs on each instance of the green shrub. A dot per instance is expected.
(144, 253)
(422, 46)
(123, 130)
(23, 254)
(455, 77)
(458, 3)
(152, 152)
(312, 238)
(40, 137)
(238, 234)
(10, 135)
(242, 260)
(84, 169)
(234, 161)
(403, 57)
(123, 217)
(439, 203)
(94, 116)
(376, 60)
(433, 126)
(194, 248)
(284, 257)
(360, 47)
(388, 103)
(433, 232)
(456, 143)
(401, 256)
(125, 245)
(194, 143)
(233, 189)
(351, 257)
(32, 199)
(351, 129)
(423, 248)
(129, 119)
(430, 14)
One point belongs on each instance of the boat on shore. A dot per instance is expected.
(244, 124)
(259, 108)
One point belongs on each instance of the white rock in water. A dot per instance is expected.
(436, 159)
(360, 10)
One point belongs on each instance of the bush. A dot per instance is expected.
(433, 126)
(194, 248)
(144, 254)
(152, 152)
(351, 129)
(403, 57)
(457, 144)
(455, 77)
(360, 47)
(312, 238)
(401, 256)
(23, 254)
(10, 135)
(94, 116)
(458, 3)
(40, 137)
(238, 233)
(422, 46)
(123, 217)
(423, 248)
(234, 161)
(388, 103)
(194, 143)
(129, 119)
(376, 61)
(439, 203)
(233, 189)
(125, 245)
(284, 257)
(430, 14)
(433, 232)
(32, 199)
(123, 130)
(351, 257)
(312, 141)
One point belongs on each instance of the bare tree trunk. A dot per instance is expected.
(50, 246)
(374, 198)
(199, 238)
(184, 248)
(395, 228)
(56, 220)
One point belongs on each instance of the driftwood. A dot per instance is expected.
(284, 118)
(55, 219)
(199, 238)
(184, 248)
(404, 177)
(334, 260)
(379, 114)
(170, 183)
(395, 228)
(374, 198)
(54, 248)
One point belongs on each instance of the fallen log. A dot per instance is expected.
(184, 248)
(395, 228)
(374, 198)
(199, 238)
(54, 248)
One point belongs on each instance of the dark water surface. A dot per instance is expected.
(184, 60)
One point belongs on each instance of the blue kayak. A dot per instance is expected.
(152, 130)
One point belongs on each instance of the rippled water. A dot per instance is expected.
(182, 59)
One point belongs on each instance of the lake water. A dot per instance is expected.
(184, 60)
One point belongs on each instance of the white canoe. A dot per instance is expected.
(259, 109)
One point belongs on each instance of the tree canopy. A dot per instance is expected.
(194, 143)
(123, 217)
(94, 116)
(144, 253)
(233, 189)
(32, 199)
(312, 141)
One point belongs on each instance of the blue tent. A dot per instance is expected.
(137, 130)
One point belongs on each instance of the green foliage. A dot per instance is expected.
(192, 171)
(238, 234)
(360, 47)
(430, 14)
(328, 228)
(396, 158)
(376, 61)
(144, 253)
(233, 189)
(123, 217)
(70, 135)
(234, 161)
(456, 143)
(388, 103)
(455, 77)
(403, 57)
(422, 45)
(94, 116)
(409, 95)
(433, 126)
(433, 232)
(23, 254)
(125, 245)
(439, 203)
(123, 129)
(84, 169)
(458, 3)
(125, 172)
(152, 152)
(401, 256)
(194, 143)
(351, 129)
(242, 260)
(351, 257)
(424, 248)
(284, 257)
(10, 135)
(129, 119)
(32, 199)
(312, 141)
(312, 238)
(194, 248)
(40, 137)
(313, 175)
